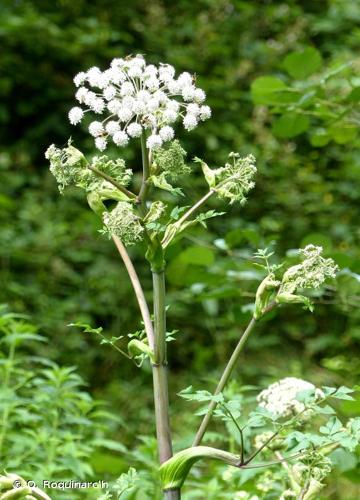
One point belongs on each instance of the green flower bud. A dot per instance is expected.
(234, 180)
(264, 294)
(113, 168)
(170, 161)
(67, 165)
(310, 274)
(124, 223)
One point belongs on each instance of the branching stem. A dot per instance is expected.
(144, 309)
(112, 181)
(223, 381)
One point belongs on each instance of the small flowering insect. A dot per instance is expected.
(135, 97)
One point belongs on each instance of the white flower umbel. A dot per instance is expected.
(280, 398)
(134, 97)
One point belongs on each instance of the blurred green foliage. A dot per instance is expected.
(283, 81)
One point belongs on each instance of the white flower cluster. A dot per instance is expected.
(311, 273)
(135, 97)
(280, 398)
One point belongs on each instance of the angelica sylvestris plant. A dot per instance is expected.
(140, 104)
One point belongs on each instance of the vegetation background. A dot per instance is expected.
(56, 267)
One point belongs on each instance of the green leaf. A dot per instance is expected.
(302, 64)
(333, 426)
(320, 138)
(290, 125)
(342, 133)
(267, 90)
(208, 174)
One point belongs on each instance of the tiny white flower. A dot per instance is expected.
(134, 130)
(150, 70)
(160, 96)
(135, 72)
(97, 105)
(166, 72)
(80, 78)
(138, 60)
(81, 95)
(143, 95)
(154, 141)
(89, 98)
(75, 115)
(124, 114)
(152, 105)
(112, 127)
(193, 109)
(190, 122)
(115, 75)
(100, 143)
(150, 121)
(139, 107)
(121, 138)
(114, 106)
(118, 62)
(174, 87)
(188, 93)
(109, 92)
(173, 105)
(170, 116)
(205, 112)
(185, 79)
(96, 129)
(152, 84)
(128, 102)
(199, 95)
(127, 88)
(166, 133)
(93, 76)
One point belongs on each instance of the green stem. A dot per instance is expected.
(187, 214)
(159, 368)
(112, 181)
(146, 170)
(223, 381)
(139, 293)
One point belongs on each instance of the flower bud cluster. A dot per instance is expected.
(135, 97)
(67, 165)
(280, 398)
(113, 168)
(234, 180)
(123, 223)
(170, 161)
(311, 273)
(70, 167)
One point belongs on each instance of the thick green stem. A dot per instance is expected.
(146, 170)
(159, 368)
(223, 381)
